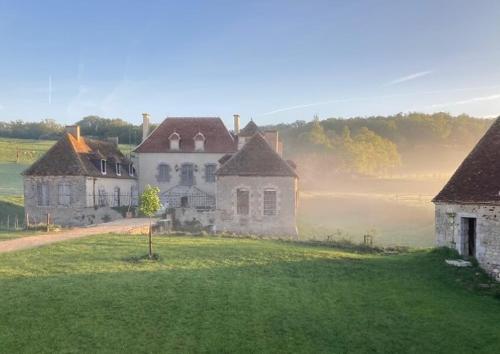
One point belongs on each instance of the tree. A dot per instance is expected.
(149, 206)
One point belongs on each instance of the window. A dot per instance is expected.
(42, 193)
(199, 142)
(187, 174)
(174, 141)
(118, 169)
(242, 202)
(103, 167)
(64, 194)
(163, 173)
(117, 197)
(103, 200)
(269, 202)
(210, 172)
(131, 170)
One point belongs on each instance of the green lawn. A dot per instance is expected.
(237, 295)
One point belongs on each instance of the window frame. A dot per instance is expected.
(242, 210)
(42, 199)
(64, 196)
(162, 166)
(118, 169)
(104, 166)
(212, 175)
(184, 182)
(265, 208)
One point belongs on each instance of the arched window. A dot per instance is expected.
(174, 139)
(199, 142)
(163, 174)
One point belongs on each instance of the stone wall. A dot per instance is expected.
(283, 224)
(449, 230)
(190, 219)
(147, 167)
(76, 213)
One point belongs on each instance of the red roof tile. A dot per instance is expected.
(217, 137)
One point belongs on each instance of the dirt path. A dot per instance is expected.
(119, 226)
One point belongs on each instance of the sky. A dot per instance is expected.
(273, 61)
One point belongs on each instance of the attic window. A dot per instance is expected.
(118, 169)
(103, 167)
(174, 141)
(199, 142)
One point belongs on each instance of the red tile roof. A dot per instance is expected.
(69, 157)
(256, 158)
(217, 137)
(477, 180)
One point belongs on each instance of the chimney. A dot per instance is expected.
(236, 123)
(74, 130)
(145, 126)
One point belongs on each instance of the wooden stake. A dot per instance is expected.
(48, 222)
(8, 222)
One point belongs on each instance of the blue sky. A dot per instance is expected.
(275, 61)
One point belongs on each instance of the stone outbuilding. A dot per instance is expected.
(468, 207)
(257, 191)
(80, 181)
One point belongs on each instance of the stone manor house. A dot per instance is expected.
(233, 181)
(468, 207)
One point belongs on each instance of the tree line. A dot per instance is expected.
(363, 145)
(381, 144)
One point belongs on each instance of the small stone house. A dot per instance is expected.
(80, 181)
(257, 191)
(468, 207)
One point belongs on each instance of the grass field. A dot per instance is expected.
(238, 295)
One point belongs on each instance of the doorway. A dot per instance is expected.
(469, 237)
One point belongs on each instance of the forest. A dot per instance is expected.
(415, 143)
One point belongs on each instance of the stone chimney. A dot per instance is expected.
(74, 130)
(145, 126)
(236, 124)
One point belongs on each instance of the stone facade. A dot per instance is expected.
(451, 231)
(148, 166)
(256, 222)
(81, 203)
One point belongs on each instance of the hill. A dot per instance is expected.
(209, 294)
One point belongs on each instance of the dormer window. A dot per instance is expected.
(131, 170)
(174, 141)
(199, 142)
(103, 167)
(118, 169)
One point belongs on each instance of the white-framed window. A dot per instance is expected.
(270, 202)
(64, 194)
(118, 169)
(174, 139)
(42, 194)
(210, 169)
(131, 170)
(103, 166)
(199, 142)
(242, 201)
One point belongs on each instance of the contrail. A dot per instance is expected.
(291, 108)
(408, 77)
